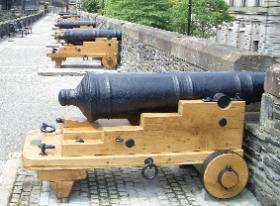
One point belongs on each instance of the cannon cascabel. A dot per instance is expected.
(127, 95)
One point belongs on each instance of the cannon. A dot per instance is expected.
(184, 119)
(75, 24)
(77, 37)
(62, 13)
(100, 44)
(63, 26)
(152, 92)
(68, 17)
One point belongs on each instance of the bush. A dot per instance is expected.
(92, 6)
(151, 13)
(165, 14)
(206, 15)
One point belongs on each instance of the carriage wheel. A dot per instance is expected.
(224, 174)
(109, 62)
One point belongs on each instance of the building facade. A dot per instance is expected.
(256, 27)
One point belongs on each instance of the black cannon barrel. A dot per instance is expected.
(63, 13)
(126, 95)
(75, 24)
(75, 36)
(67, 16)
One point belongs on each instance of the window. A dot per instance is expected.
(255, 46)
(258, 3)
(244, 2)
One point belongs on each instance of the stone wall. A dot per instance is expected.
(27, 20)
(262, 144)
(145, 48)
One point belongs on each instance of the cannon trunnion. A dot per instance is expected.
(203, 128)
(85, 43)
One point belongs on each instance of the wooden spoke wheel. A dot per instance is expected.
(224, 174)
(109, 62)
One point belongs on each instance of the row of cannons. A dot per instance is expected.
(147, 120)
(82, 39)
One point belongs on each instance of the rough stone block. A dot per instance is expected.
(272, 81)
(263, 159)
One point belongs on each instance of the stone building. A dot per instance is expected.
(256, 28)
(19, 4)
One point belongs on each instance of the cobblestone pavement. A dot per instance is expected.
(173, 186)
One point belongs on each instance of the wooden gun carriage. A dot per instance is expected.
(195, 131)
(99, 44)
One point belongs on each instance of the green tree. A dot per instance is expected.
(92, 6)
(152, 13)
(207, 14)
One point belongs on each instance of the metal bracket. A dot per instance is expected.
(222, 99)
(44, 147)
(46, 128)
(149, 165)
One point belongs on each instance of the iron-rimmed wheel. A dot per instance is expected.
(224, 174)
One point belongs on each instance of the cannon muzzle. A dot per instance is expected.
(127, 95)
(75, 24)
(73, 36)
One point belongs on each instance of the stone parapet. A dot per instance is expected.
(262, 144)
(27, 20)
(146, 48)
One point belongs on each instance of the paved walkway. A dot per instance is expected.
(28, 99)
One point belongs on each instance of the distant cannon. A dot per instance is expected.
(64, 13)
(75, 24)
(194, 118)
(63, 26)
(95, 43)
(77, 37)
(67, 17)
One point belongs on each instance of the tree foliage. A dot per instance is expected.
(206, 15)
(165, 14)
(92, 6)
(152, 13)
